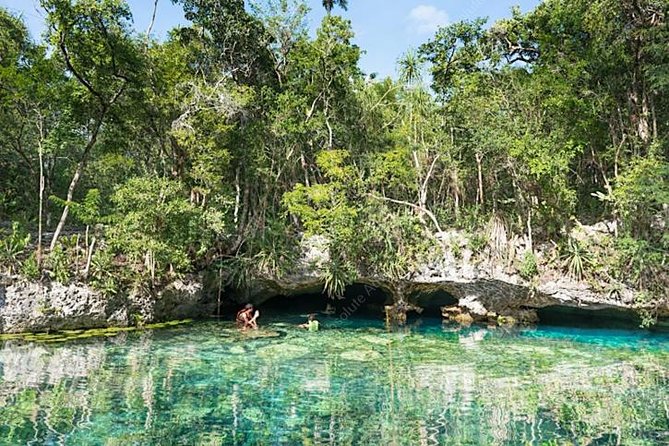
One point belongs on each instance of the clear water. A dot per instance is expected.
(353, 383)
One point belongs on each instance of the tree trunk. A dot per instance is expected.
(238, 194)
(220, 290)
(305, 166)
(66, 210)
(455, 188)
(644, 121)
(89, 258)
(479, 194)
(75, 180)
(530, 244)
(41, 205)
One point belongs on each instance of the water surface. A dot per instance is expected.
(353, 383)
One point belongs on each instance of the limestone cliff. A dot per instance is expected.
(482, 286)
(27, 306)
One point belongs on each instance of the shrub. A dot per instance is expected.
(13, 246)
(58, 263)
(640, 195)
(528, 266)
(159, 229)
(29, 268)
(641, 263)
(477, 242)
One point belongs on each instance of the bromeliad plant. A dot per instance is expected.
(576, 258)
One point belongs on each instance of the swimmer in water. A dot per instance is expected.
(248, 317)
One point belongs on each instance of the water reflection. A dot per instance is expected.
(428, 385)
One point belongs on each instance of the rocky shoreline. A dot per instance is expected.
(482, 299)
(476, 290)
(482, 290)
(30, 306)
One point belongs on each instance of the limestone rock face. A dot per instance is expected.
(564, 291)
(180, 299)
(34, 306)
(483, 288)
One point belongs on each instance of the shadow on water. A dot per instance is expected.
(432, 302)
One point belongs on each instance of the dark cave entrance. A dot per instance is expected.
(359, 299)
(431, 302)
(581, 317)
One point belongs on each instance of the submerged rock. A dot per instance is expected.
(377, 340)
(361, 355)
(464, 318)
(253, 414)
(282, 351)
(237, 350)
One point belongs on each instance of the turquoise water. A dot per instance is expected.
(353, 383)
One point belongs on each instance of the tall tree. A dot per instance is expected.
(234, 40)
(93, 39)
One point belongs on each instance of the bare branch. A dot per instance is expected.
(153, 19)
(411, 205)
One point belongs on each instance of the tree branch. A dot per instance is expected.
(75, 72)
(411, 205)
(153, 19)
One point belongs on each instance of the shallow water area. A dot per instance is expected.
(354, 382)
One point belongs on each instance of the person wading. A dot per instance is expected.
(247, 317)
(312, 324)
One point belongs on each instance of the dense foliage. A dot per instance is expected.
(221, 146)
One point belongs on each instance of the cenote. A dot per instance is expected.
(353, 383)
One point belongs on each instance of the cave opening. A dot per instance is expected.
(581, 317)
(359, 299)
(432, 301)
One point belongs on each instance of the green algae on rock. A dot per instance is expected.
(70, 335)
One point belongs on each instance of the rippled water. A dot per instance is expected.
(353, 383)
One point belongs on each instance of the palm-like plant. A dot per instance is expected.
(335, 278)
(13, 246)
(330, 4)
(410, 67)
(576, 258)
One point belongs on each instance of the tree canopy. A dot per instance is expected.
(224, 144)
